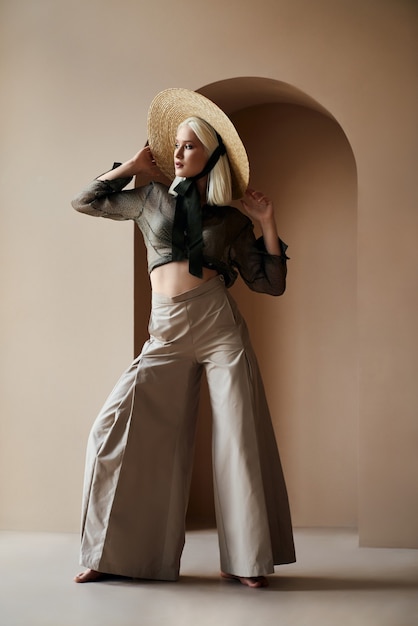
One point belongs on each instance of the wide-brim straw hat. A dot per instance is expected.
(170, 108)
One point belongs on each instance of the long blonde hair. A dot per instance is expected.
(219, 187)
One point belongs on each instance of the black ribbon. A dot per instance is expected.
(187, 226)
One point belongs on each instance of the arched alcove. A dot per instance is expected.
(305, 340)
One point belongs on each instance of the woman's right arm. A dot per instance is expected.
(142, 163)
(104, 197)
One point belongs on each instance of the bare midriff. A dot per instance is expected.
(174, 278)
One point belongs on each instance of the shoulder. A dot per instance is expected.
(152, 192)
(233, 216)
(157, 190)
(236, 222)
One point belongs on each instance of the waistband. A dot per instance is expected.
(214, 284)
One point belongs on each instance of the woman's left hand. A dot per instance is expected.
(258, 206)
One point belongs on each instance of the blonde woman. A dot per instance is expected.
(140, 449)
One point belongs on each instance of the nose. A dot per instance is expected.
(178, 151)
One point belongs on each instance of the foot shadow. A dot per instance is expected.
(321, 583)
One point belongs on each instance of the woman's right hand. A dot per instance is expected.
(141, 164)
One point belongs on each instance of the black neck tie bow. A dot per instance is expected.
(187, 226)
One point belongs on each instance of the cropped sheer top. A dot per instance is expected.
(230, 246)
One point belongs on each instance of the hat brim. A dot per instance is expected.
(170, 108)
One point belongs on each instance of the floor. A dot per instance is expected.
(334, 583)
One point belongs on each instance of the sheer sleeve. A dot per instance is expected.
(261, 271)
(106, 198)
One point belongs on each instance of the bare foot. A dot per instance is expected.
(249, 581)
(89, 576)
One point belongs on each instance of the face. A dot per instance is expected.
(190, 156)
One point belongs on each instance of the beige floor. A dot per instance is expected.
(334, 583)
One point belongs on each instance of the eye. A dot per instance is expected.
(189, 146)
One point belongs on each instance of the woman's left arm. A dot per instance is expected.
(261, 262)
(260, 209)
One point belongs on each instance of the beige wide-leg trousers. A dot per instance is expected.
(140, 450)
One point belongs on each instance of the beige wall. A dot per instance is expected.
(306, 340)
(78, 78)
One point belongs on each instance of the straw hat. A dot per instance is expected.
(171, 107)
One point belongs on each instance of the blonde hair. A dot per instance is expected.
(219, 187)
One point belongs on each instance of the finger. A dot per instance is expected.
(258, 196)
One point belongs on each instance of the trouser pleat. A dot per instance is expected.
(140, 450)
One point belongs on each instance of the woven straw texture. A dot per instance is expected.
(171, 107)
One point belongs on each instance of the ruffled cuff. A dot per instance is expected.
(261, 247)
(112, 186)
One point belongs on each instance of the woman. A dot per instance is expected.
(140, 450)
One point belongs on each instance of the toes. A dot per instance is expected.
(249, 581)
(90, 575)
(255, 581)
